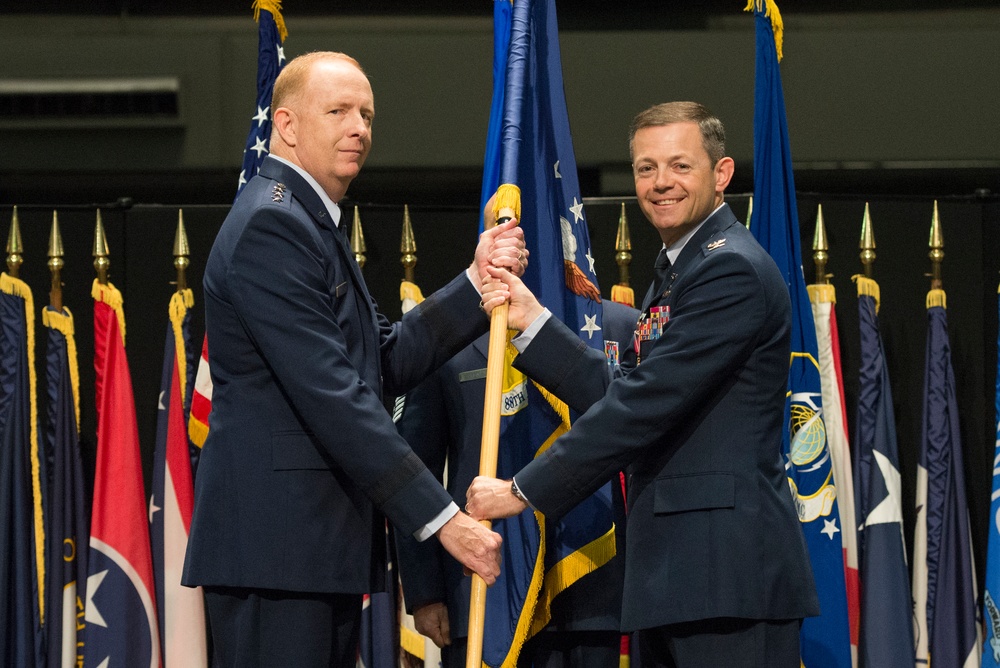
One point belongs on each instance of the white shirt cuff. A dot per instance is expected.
(522, 340)
(439, 521)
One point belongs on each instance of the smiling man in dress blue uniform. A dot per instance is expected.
(716, 571)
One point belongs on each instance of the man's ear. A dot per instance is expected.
(724, 173)
(284, 123)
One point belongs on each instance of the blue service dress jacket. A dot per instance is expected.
(443, 421)
(302, 459)
(712, 529)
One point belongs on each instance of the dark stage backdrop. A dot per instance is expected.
(141, 240)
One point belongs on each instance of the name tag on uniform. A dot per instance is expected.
(340, 290)
(466, 376)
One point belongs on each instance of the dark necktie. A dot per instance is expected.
(661, 268)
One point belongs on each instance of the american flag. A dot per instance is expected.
(270, 60)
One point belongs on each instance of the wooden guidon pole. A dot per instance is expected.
(507, 205)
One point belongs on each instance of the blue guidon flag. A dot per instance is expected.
(541, 557)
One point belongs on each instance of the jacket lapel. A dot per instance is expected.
(720, 220)
(311, 202)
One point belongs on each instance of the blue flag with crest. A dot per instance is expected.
(991, 594)
(541, 557)
(825, 640)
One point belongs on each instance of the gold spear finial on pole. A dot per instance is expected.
(14, 247)
(621, 291)
(358, 239)
(749, 210)
(55, 264)
(101, 262)
(936, 253)
(867, 244)
(820, 248)
(407, 246)
(623, 248)
(181, 252)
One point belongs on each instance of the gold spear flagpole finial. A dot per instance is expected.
(623, 243)
(358, 239)
(181, 252)
(820, 248)
(867, 244)
(936, 244)
(622, 291)
(55, 263)
(15, 247)
(101, 261)
(749, 210)
(408, 246)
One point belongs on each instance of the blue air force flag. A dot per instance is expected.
(541, 557)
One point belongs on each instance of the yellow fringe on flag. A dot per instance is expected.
(558, 405)
(197, 432)
(822, 293)
(408, 290)
(110, 295)
(63, 323)
(770, 9)
(273, 6)
(867, 287)
(571, 568)
(937, 298)
(180, 302)
(508, 197)
(18, 288)
(524, 625)
(623, 294)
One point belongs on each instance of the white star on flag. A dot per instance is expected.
(591, 325)
(556, 168)
(590, 259)
(829, 528)
(261, 116)
(577, 210)
(889, 510)
(281, 54)
(92, 615)
(153, 508)
(259, 146)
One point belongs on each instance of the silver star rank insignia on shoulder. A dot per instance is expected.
(278, 194)
(716, 244)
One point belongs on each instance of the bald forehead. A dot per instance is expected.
(304, 72)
